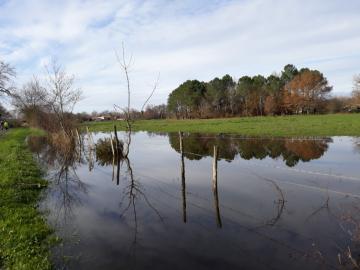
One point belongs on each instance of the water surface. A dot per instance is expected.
(275, 204)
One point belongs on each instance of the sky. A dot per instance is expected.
(180, 40)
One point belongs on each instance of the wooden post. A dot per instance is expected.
(112, 145)
(79, 142)
(91, 141)
(183, 184)
(215, 187)
(117, 143)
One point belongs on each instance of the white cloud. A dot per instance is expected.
(181, 40)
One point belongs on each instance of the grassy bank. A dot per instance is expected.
(24, 235)
(297, 125)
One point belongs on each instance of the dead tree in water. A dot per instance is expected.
(118, 154)
(125, 65)
(134, 188)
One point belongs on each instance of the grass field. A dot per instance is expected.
(297, 125)
(24, 236)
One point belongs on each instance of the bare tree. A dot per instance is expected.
(7, 73)
(62, 94)
(125, 64)
(31, 96)
(356, 89)
(151, 94)
(4, 112)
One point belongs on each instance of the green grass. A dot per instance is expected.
(297, 125)
(25, 238)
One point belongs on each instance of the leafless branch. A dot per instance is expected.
(7, 73)
(152, 92)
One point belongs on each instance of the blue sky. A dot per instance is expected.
(180, 40)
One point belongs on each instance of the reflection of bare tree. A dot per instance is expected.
(349, 223)
(67, 187)
(61, 163)
(134, 192)
(325, 207)
(280, 202)
(111, 151)
(352, 221)
(133, 189)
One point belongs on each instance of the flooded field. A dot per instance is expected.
(205, 202)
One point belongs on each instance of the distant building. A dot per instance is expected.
(101, 118)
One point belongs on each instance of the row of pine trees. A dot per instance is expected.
(292, 91)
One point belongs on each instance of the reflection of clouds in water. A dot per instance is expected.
(247, 204)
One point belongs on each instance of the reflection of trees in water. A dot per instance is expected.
(312, 253)
(133, 190)
(214, 183)
(66, 189)
(61, 165)
(70, 186)
(196, 146)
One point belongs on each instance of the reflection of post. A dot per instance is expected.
(91, 159)
(113, 152)
(118, 170)
(90, 138)
(117, 153)
(113, 168)
(117, 142)
(215, 187)
(183, 186)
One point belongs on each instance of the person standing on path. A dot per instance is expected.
(6, 125)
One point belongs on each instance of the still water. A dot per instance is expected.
(261, 204)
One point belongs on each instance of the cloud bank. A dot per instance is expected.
(180, 39)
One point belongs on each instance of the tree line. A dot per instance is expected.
(292, 91)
